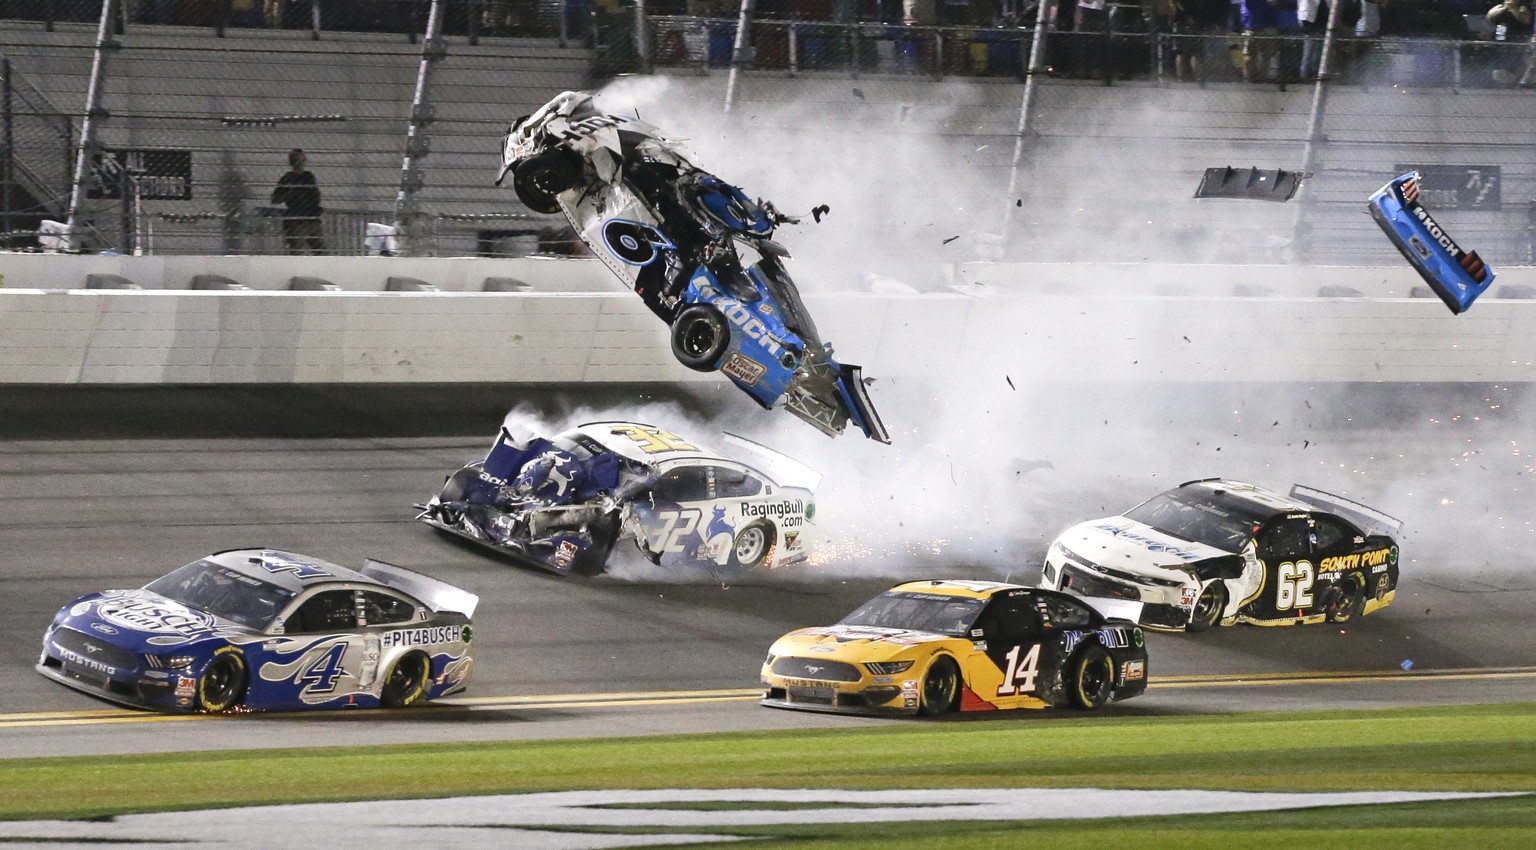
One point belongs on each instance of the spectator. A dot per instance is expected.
(1369, 23)
(1516, 19)
(1160, 16)
(1261, 22)
(299, 193)
(1313, 15)
(1092, 36)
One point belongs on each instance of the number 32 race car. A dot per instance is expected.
(258, 629)
(697, 251)
(930, 647)
(1222, 552)
(562, 503)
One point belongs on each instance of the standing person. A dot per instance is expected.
(1313, 15)
(298, 192)
(1261, 22)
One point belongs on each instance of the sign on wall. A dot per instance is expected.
(1457, 186)
(156, 173)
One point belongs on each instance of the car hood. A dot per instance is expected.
(1124, 544)
(854, 643)
(145, 622)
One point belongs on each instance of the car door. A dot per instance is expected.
(1010, 666)
(321, 656)
(674, 517)
(1290, 570)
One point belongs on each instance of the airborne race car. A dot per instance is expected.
(259, 629)
(677, 236)
(930, 647)
(562, 503)
(1222, 552)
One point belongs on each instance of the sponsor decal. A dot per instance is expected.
(1340, 563)
(565, 552)
(103, 628)
(635, 242)
(1188, 596)
(743, 369)
(75, 658)
(1109, 638)
(807, 683)
(738, 315)
(1135, 670)
(282, 562)
(160, 618)
(789, 512)
(1435, 232)
(577, 130)
(792, 540)
(1148, 543)
(422, 636)
(185, 686)
(822, 649)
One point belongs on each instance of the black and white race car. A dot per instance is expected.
(1219, 552)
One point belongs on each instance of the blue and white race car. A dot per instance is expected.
(696, 250)
(260, 629)
(562, 502)
(1457, 276)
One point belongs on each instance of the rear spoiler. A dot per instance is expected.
(1366, 517)
(785, 469)
(437, 594)
(850, 386)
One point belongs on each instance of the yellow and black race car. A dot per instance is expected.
(930, 647)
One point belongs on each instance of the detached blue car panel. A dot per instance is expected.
(1457, 276)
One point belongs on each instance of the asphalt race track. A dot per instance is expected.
(99, 493)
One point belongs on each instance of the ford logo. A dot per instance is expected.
(104, 628)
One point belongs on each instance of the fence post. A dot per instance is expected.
(94, 112)
(738, 51)
(1032, 71)
(7, 165)
(417, 145)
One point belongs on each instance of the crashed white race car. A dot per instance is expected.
(695, 249)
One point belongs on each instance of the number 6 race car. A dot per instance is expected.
(562, 503)
(1222, 552)
(1457, 276)
(930, 647)
(258, 629)
(676, 235)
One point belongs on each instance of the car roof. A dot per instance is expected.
(956, 587)
(628, 440)
(1218, 490)
(285, 569)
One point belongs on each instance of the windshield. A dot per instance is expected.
(923, 612)
(223, 592)
(1176, 514)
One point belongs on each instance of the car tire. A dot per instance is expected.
(752, 546)
(539, 179)
(940, 689)
(1091, 678)
(406, 682)
(1208, 607)
(699, 337)
(593, 561)
(223, 683)
(1347, 599)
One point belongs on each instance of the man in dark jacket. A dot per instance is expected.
(299, 194)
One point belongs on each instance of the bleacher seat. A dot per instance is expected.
(506, 284)
(312, 284)
(109, 281)
(408, 284)
(216, 281)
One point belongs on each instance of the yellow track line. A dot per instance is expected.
(631, 699)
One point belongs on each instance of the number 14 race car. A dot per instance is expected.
(696, 250)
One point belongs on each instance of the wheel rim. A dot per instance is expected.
(1208, 606)
(1094, 680)
(939, 686)
(749, 546)
(1345, 600)
(407, 677)
(219, 685)
(697, 337)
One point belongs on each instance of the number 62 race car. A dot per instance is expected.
(259, 629)
(696, 250)
(930, 647)
(1221, 552)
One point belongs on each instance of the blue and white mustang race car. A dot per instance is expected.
(258, 629)
(684, 240)
(1457, 276)
(561, 503)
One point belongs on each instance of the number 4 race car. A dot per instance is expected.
(562, 503)
(1222, 552)
(1457, 276)
(258, 629)
(930, 647)
(679, 236)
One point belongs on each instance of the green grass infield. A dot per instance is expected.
(1450, 748)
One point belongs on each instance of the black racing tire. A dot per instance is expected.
(699, 337)
(1208, 607)
(753, 546)
(941, 688)
(1347, 601)
(1091, 678)
(539, 179)
(223, 683)
(407, 681)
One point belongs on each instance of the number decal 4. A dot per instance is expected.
(1293, 587)
(1019, 678)
(321, 675)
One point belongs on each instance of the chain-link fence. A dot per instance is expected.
(198, 105)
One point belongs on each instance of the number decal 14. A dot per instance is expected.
(1019, 678)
